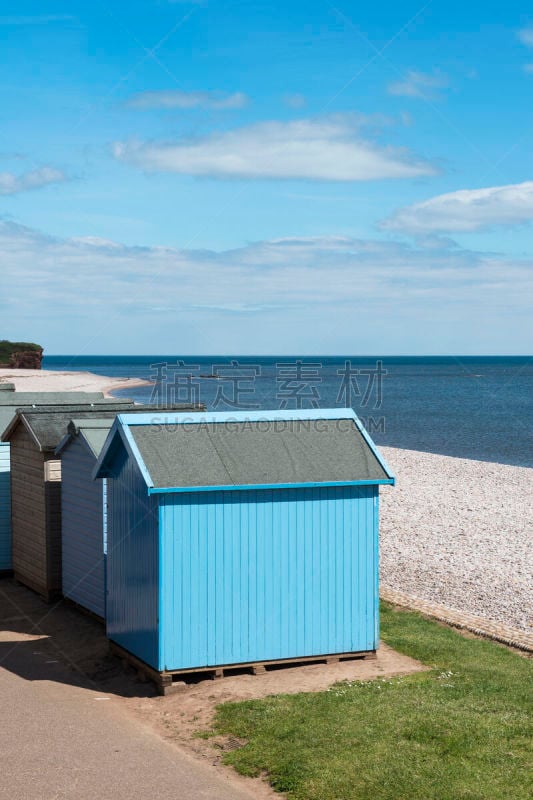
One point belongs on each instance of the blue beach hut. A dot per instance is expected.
(241, 538)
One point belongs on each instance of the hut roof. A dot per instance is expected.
(94, 429)
(47, 425)
(11, 401)
(257, 449)
(50, 398)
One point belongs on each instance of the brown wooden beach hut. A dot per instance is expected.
(10, 402)
(34, 435)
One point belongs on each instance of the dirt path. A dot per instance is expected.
(192, 709)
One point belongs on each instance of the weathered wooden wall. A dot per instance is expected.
(35, 515)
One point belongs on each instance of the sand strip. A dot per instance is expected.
(46, 380)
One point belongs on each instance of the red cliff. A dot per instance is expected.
(20, 355)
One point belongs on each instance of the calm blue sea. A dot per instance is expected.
(467, 406)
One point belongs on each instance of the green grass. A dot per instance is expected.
(459, 732)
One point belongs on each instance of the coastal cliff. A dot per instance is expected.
(20, 355)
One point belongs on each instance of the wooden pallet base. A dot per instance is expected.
(169, 681)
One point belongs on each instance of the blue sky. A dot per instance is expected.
(256, 177)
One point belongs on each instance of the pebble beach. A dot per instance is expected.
(459, 532)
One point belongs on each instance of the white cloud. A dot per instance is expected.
(323, 294)
(10, 183)
(528, 68)
(174, 98)
(526, 36)
(329, 148)
(419, 84)
(467, 210)
(294, 100)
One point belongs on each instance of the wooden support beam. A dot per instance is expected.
(169, 681)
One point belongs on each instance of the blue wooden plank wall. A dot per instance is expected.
(267, 574)
(132, 568)
(5, 508)
(82, 532)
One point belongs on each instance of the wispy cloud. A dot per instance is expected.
(421, 85)
(327, 149)
(174, 98)
(346, 286)
(526, 36)
(294, 100)
(39, 19)
(10, 183)
(467, 210)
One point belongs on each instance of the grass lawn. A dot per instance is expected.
(462, 730)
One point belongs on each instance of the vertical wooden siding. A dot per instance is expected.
(5, 508)
(132, 564)
(35, 515)
(267, 574)
(82, 516)
(28, 512)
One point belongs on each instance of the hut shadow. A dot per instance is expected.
(58, 642)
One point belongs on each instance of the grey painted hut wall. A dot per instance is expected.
(35, 515)
(82, 506)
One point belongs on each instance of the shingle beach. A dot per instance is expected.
(459, 533)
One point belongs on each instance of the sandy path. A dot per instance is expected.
(192, 708)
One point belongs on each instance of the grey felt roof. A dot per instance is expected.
(49, 398)
(94, 429)
(10, 401)
(254, 453)
(48, 425)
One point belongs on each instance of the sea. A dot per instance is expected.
(464, 406)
